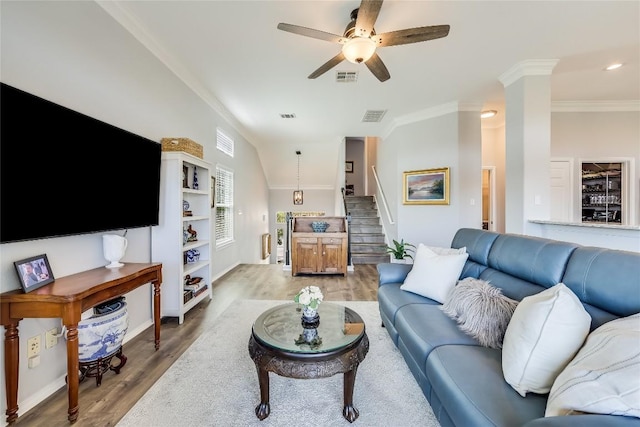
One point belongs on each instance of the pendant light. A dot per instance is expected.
(297, 194)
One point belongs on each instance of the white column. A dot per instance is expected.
(528, 143)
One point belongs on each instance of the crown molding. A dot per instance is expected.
(594, 106)
(305, 188)
(430, 113)
(124, 18)
(530, 67)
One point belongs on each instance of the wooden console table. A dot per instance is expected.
(67, 298)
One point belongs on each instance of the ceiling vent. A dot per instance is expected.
(373, 115)
(346, 76)
(287, 115)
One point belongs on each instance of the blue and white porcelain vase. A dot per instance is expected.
(193, 256)
(101, 335)
(310, 334)
(195, 178)
(310, 317)
(309, 313)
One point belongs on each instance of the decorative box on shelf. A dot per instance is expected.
(186, 296)
(182, 144)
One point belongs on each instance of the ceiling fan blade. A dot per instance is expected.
(411, 35)
(378, 68)
(327, 66)
(310, 32)
(367, 15)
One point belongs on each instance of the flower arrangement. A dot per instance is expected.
(310, 296)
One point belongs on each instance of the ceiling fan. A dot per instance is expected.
(359, 41)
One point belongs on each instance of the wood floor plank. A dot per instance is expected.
(107, 404)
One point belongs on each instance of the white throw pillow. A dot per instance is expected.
(604, 377)
(545, 332)
(445, 251)
(433, 276)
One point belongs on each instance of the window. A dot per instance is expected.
(224, 205)
(224, 143)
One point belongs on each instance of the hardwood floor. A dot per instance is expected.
(105, 405)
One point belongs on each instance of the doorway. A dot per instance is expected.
(561, 198)
(488, 197)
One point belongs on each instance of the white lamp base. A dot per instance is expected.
(114, 264)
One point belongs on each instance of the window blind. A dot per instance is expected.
(224, 205)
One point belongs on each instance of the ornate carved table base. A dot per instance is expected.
(307, 365)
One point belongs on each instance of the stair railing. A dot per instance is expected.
(383, 197)
(287, 256)
(348, 214)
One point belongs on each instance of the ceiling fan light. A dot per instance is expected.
(358, 49)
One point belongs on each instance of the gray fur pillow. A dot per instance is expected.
(481, 310)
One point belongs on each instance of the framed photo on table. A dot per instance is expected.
(426, 187)
(34, 272)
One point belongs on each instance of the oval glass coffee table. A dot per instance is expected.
(280, 344)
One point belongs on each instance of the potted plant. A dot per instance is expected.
(400, 251)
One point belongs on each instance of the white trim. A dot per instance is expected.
(594, 106)
(128, 21)
(306, 187)
(430, 113)
(530, 67)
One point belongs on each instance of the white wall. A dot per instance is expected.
(75, 54)
(597, 136)
(451, 140)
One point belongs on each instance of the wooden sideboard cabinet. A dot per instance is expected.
(319, 253)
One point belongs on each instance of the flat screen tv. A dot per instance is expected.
(64, 173)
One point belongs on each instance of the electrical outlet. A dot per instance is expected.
(34, 361)
(33, 346)
(51, 338)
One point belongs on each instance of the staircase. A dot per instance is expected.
(367, 239)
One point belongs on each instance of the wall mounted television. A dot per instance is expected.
(64, 173)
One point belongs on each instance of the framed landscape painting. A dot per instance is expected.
(426, 187)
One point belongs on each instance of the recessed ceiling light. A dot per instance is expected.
(613, 66)
(488, 113)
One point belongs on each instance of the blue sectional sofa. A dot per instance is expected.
(462, 380)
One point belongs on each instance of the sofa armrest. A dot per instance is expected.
(392, 273)
(590, 420)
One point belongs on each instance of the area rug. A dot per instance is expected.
(214, 383)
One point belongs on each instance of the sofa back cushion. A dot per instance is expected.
(478, 243)
(533, 259)
(511, 287)
(607, 281)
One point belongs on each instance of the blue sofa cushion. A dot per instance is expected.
(424, 327)
(478, 244)
(392, 273)
(536, 260)
(468, 382)
(512, 287)
(602, 278)
(391, 298)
